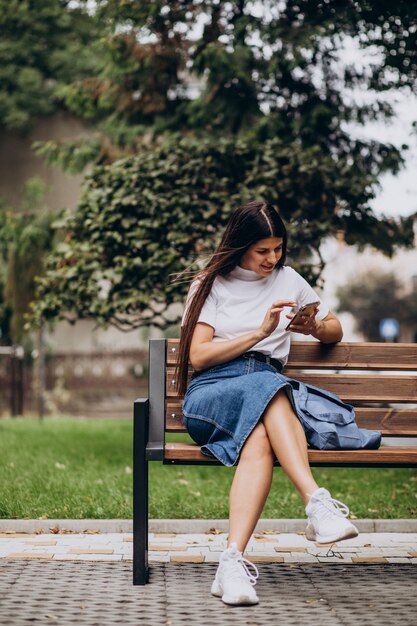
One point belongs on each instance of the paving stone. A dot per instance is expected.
(186, 558)
(394, 552)
(265, 539)
(287, 549)
(346, 559)
(29, 555)
(41, 543)
(265, 559)
(369, 559)
(90, 551)
(13, 535)
(100, 557)
(168, 546)
(300, 558)
(214, 557)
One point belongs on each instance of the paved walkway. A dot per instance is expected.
(102, 594)
(267, 546)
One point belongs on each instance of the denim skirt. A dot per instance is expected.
(223, 404)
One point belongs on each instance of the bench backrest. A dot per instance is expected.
(379, 379)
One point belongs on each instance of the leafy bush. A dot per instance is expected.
(144, 218)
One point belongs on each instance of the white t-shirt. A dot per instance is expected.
(238, 302)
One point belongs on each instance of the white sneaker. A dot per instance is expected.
(234, 582)
(327, 519)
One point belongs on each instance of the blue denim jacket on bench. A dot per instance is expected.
(329, 423)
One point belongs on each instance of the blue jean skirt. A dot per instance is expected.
(223, 404)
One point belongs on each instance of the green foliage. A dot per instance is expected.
(44, 46)
(25, 236)
(146, 217)
(70, 156)
(279, 69)
(374, 296)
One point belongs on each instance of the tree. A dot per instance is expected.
(374, 296)
(45, 46)
(25, 237)
(275, 70)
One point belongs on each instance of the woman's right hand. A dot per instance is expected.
(271, 319)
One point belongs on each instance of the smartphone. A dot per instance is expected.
(306, 309)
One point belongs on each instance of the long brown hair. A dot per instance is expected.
(248, 224)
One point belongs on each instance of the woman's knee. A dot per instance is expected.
(257, 445)
(280, 402)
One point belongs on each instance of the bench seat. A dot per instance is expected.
(388, 456)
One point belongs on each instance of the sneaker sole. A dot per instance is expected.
(242, 600)
(349, 533)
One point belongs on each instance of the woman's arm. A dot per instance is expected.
(204, 352)
(327, 330)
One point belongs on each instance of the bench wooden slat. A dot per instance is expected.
(390, 421)
(365, 355)
(350, 387)
(389, 454)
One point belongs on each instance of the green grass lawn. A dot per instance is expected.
(82, 468)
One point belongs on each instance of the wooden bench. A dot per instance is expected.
(375, 377)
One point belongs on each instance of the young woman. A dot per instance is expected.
(238, 406)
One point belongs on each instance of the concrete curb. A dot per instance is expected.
(186, 526)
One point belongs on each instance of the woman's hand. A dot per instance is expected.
(271, 319)
(327, 330)
(307, 324)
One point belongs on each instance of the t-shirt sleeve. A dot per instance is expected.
(208, 312)
(306, 294)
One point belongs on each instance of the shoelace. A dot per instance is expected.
(333, 506)
(246, 565)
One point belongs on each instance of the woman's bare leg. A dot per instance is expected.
(289, 443)
(250, 487)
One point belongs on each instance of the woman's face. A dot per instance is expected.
(262, 256)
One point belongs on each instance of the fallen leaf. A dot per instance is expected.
(213, 531)
(195, 493)
(352, 516)
(43, 517)
(182, 481)
(311, 601)
(61, 466)
(271, 532)
(128, 470)
(99, 481)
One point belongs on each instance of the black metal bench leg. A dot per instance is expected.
(140, 492)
